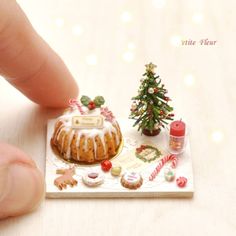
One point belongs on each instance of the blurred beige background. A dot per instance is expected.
(106, 45)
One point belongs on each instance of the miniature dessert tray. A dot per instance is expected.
(128, 162)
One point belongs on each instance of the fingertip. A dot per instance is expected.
(30, 64)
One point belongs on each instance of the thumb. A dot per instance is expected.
(21, 183)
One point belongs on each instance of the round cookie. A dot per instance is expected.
(93, 178)
(131, 180)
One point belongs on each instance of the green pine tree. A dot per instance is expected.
(150, 108)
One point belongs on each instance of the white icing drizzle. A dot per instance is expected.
(62, 142)
(68, 152)
(89, 133)
(59, 131)
(77, 145)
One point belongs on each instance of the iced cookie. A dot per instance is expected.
(131, 180)
(93, 178)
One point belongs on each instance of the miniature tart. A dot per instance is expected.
(86, 145)
(131, 180)
(93, 178)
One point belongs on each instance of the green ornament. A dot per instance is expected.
(85, 100)
(99, 101)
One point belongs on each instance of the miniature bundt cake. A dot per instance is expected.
(90, 144)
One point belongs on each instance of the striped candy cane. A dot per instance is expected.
(73, 102)
(162, 162)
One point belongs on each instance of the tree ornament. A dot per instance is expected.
(151, 90)
(153, 111)
(134, 106)
(150, 68)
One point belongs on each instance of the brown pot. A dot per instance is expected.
(151, 133)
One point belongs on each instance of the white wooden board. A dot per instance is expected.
(112, 188)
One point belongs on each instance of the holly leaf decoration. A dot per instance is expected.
(85, 100)
(99, 101)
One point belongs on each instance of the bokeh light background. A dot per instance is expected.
(106, 44)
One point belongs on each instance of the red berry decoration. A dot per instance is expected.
(106, 165)
(141, 148)
(161, 112)
(91, 105)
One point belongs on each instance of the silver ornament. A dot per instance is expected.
(151, 90)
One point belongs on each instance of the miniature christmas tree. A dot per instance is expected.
(150, 107)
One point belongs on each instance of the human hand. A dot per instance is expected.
(31, 66)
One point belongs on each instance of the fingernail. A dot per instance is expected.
(24, 188)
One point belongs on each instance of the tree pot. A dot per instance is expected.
(148, 132)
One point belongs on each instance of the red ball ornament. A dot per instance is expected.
(161, 112)
(155, 90)
(106, 165)
(91, 105)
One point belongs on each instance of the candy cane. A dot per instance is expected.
(74, 102)
(162, 162)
